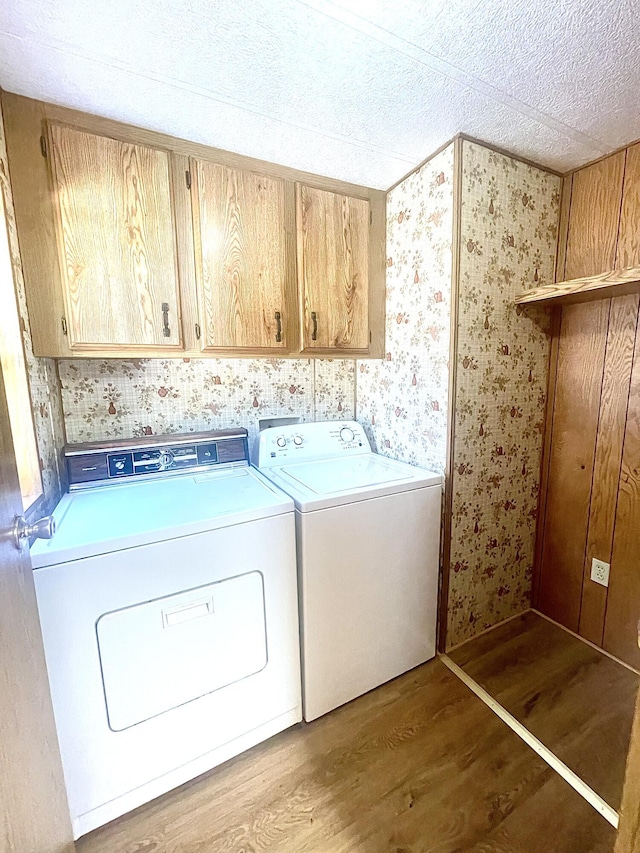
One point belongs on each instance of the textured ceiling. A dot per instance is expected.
(361, 90)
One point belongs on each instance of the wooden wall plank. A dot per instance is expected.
(628, 840)
(575, 422)
(593, 222)
(556, 317)
(563, 227)
(545, 462)
(623, 604)
(628, 252)
(611, 427)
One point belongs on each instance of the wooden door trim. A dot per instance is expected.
(453, 379)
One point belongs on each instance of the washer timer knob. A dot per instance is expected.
(346, 434)
(297, 439)
(281, 441)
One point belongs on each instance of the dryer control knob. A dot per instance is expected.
(166, 458)
(281, 441)
(297, 439)
(346, 434)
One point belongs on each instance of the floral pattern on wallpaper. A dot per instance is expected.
(112, 398)
(43, 380)
(508, 244)
(402, 400)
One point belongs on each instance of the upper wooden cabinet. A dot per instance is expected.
(245, 259)
(333, 269)
(116, 241)
(137, 244)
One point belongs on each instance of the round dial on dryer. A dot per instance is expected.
(297, 440)
(281, 441)
(347, 434)
(166, 458)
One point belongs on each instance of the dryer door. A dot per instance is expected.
(163, 653)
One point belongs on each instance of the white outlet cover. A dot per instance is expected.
(600, 572)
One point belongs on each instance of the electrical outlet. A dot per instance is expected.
(600, 572)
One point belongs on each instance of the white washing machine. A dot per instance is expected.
(168, 603)
(368, 541)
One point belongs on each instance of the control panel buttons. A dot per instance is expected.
(208, 454)
(120, 464)
(297, 440)
(347, 434)
(281, 441)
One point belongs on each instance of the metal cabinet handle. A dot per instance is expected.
(22, 531)
(198, 331)
(278, 327)
(166, 331)
(314, 320)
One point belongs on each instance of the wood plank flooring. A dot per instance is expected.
(419, 765)
(576, 700)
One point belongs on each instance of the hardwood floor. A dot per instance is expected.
(577, 701)
(416, 766)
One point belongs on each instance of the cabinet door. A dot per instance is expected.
(117, 241)
(245, 259)
(333, 269)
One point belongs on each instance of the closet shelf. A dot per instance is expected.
(603, 286)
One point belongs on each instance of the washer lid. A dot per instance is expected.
(111, 518)
(331, 482)
(344, 475)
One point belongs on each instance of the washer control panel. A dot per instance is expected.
(306, 442)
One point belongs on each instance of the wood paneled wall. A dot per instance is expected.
(591, 470)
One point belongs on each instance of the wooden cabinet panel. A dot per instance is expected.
(575, 422)
(623, 602)
(333, 269)
(593, 219)
(117, 241)
(628, 254)
(611, 428)
(36, 223)
(245, 258)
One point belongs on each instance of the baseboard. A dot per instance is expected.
(487, 630)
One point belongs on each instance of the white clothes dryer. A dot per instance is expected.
(368, 545)
(169, 614)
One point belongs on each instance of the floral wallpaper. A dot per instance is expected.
(402, 400)
(43, 380)
(508, 244)
(112, 398)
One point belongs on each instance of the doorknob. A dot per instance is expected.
(44, 528)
